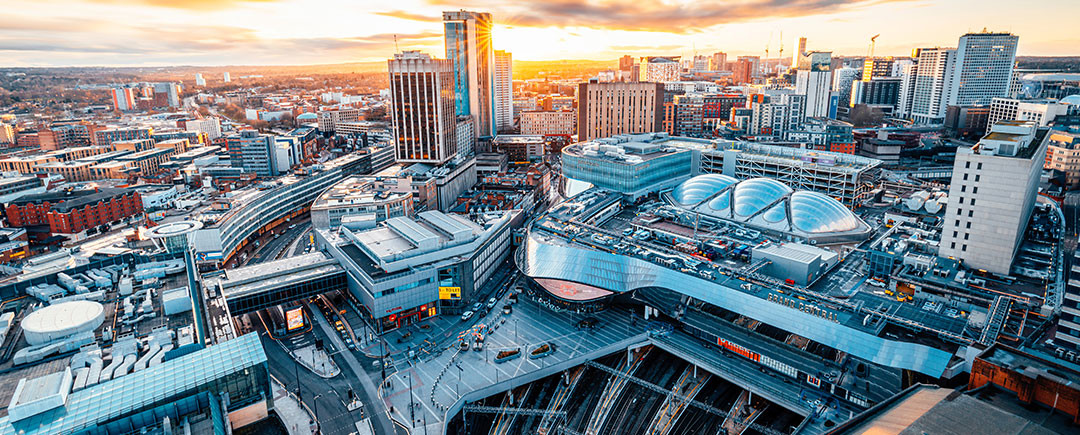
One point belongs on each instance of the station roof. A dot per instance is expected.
(173, 379)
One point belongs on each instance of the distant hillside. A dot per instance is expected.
(570, 68)
(1057, 63)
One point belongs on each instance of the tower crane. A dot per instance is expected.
(873, 41)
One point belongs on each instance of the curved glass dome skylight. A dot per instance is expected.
(756, 193)
(698, 188)
(776, 213)
(814, 212)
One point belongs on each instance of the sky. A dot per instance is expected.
(299, 32)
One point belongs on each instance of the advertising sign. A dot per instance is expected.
(294, 318)
(449, 293)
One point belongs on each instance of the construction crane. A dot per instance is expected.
(780, 59)
(873, 41)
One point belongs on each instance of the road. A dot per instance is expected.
(272, 247)
(334, 417)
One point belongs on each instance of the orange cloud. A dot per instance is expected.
(201, 5)
(652, 15)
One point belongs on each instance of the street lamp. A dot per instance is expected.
(315, 404)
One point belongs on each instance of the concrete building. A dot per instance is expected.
(328, 120)
(877, 67)
(1063, 154)
(253, 152)
(422, 108)
(609, 109)
(879, 91)
(504, 91)
(1042, 112)
(983, 68)
(519, 147)
(718, 62)
(123, 98)
(465, 130)
(409, 269)
(199, 80)
(548, 122)
(1067, 334)
(7, 134)
(360, 202)
(472, 61)
(775, 113)
(992, 194)
(659, 68)
(211, 127)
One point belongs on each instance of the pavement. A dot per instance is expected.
(296, 419)
(433, 387)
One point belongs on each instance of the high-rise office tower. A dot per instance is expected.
(422, 108)
(199, 80)
(469, 50)
(842, 80)
(799, 50)
(907, 90)
(608, 109)
(983, 68)
(991, 196)
(719, 61)
(504, 91)
(814, 80)
(932, 80)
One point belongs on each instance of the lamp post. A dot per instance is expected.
(315, 404)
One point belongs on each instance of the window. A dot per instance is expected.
(966, 236)
(968, 225)
(955, 234)
(961, 200)
(952, 245)
(975, 189)
(965, 177)
(958, 222)
(971, 213)
(976, 178)
(967, 165)
(959, 211)
(963, 248)
(963, 188)
(972, 201)
(978, 167)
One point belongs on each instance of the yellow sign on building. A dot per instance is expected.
(449, 293)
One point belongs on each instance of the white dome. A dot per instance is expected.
(61, 320)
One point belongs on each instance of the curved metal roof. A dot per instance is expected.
(767, 203)
(753, 195)
(817, 213)
(698, 188)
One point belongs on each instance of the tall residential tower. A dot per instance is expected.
(504, 91)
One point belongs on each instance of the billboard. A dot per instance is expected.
(449, 293)
(294, 318)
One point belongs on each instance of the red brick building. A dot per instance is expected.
(1034, 379)
(70, 212)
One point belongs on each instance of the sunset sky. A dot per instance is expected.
(271, 32)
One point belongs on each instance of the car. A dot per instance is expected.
(491, 303)
(466, 316)
(477, 306)
(292, 226)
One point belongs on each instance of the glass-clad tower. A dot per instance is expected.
(468, 47)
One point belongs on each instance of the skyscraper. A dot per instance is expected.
(877, 67)
(983, 68)
(422, 108)
(469, 50)
(226, 77)
(608, 109)
(504, 91)
(799, 49)
(199, 80)
(123, 98)
(814, 80)
(991, 197)
(719, 61)
(932, 80)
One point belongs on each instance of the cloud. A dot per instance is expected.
(653, 15)
(197, 5)
(411, 16)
